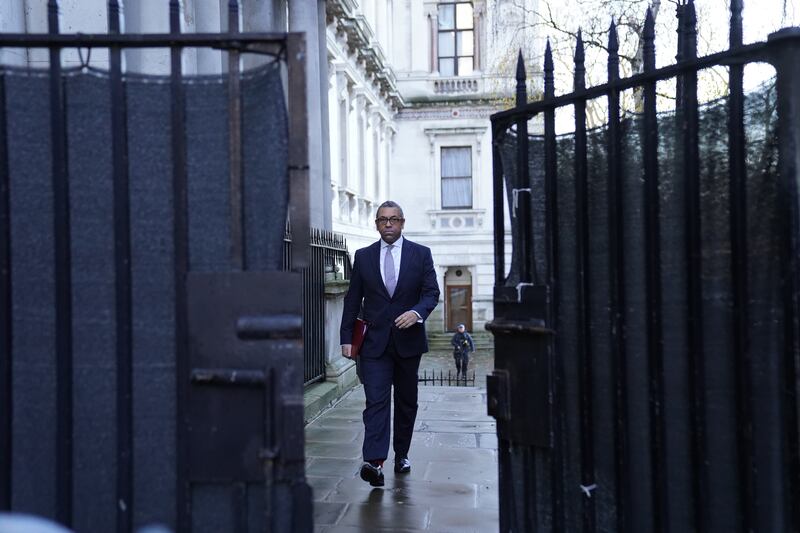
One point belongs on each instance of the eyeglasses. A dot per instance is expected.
(382, 221)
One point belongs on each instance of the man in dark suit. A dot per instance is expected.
(393, 285)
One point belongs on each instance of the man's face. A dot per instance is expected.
(461, 329)
(389, 223)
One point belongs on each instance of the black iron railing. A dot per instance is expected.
(449, 379)
(656, 269)
(328, 259)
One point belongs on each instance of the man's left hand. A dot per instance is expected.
(406, 320)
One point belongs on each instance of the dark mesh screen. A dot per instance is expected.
(90, 174)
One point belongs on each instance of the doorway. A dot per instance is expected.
(458, 298)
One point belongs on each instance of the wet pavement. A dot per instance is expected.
(452, 485)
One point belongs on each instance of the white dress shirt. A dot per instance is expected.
(397, 254)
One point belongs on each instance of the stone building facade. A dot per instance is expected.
(414, 84)
(400, 94)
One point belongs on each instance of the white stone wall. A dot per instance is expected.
(441, 112)
(363, 102)
(457, 237)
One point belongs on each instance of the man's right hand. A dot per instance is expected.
(346, 350)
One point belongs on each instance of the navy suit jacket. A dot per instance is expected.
(416, 290)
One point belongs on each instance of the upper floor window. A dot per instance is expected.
(456, 39)
(457, 177)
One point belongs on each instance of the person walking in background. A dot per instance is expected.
(462, 346)
(393, 285)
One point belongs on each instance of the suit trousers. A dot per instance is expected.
(379, 377)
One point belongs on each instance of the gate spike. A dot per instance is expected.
(649, 48)
(681, 31)
(522, 92)
(52, 16)
(689, 41)
(736, 23)
(233, 16)
(613, 52)
(549, 79)
(174, 16)
(580, 69)
(113, 16)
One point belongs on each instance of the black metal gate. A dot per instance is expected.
(151, 349)
(653, 299)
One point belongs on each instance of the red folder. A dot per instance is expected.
(359, 332)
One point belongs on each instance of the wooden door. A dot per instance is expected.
(458, 306)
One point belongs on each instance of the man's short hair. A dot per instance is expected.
(389, 203)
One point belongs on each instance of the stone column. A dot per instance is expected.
(338, 369)
(327, 217)
(476, 33)
(380, 23)
(433, 21)
(343, 93)
(360, 101)
(333, 118)
(375, 123)
(261, 16)
(208, 19)
(303, 16)
(148, 16)
(12, 20)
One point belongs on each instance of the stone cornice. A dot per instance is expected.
(345, 16)
(438, 113)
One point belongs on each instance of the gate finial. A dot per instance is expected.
(113, 16)
(522, 92)
(613, 52)
(233, 16)
(649, 48)
(736, 23)
(580, 69)
(549, 79)
(174, 16)
(690, 29)
(52, 16)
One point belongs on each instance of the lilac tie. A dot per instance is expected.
(388, 271)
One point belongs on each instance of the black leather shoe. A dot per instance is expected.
(402, 466)
(372, 474)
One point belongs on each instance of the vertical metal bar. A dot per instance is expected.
(694, 286)
(739, 275)
(240, 507)
(521, 208)
(63, 279)
(6, 345)
(784, 439)
(583, 291)
(550, 177)
(616, 270)
(238, 259)
(551, 245)
(180, 203)
(268, 454)
(653, 285)
(122, 266)
(679, 14)
(498, 200)
(298, 150)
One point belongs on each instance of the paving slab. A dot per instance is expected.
(452, 485)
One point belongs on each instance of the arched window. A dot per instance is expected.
(456, 46)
